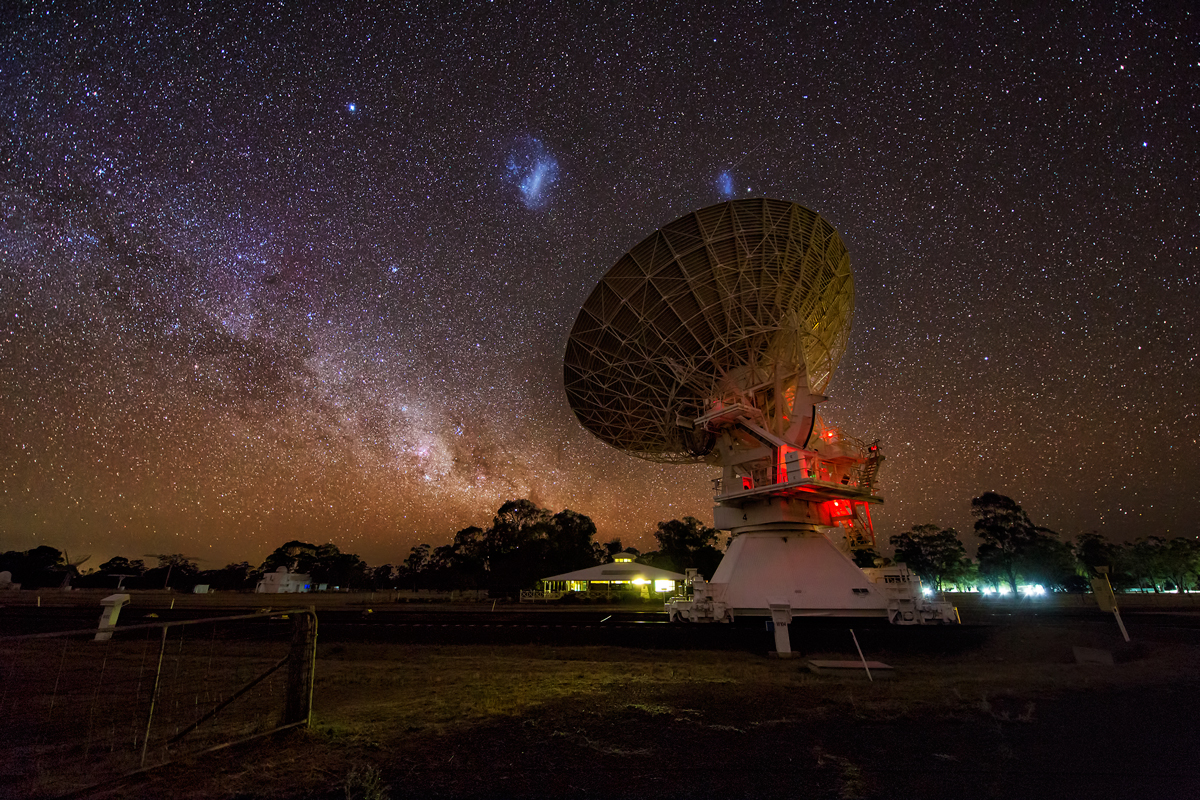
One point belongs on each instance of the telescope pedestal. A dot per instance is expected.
(798, 567)
(795, 567)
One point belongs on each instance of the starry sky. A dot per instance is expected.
(272, 272)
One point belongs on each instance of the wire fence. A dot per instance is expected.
(77, 709)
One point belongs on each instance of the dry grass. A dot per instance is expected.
(375, 690)
(371, 693)
(394, 720)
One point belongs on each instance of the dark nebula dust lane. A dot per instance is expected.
(271, 273)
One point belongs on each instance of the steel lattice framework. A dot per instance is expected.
(710, 307)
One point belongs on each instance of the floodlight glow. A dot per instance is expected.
(639, 581)
(664, 585)
(1004, 590)
(988, 590)
(926, 590)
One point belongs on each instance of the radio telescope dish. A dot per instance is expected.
(724, 304)
(713, 339)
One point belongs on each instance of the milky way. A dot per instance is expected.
(272, 273)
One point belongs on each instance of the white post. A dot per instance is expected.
(1106, 599)
(111, 609)
(781, 616)
(1116, 610)
(861, 657)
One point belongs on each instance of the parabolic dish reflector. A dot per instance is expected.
(719, 302)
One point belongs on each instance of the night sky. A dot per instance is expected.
(271, 273)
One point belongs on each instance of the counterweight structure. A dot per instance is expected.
(712, 340)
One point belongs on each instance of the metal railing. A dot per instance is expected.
(76, 712)
(545, 595)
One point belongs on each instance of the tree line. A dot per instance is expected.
(1013, 551)
(523, 544)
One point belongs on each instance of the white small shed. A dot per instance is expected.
(283, 582)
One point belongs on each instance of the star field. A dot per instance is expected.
(271, 273)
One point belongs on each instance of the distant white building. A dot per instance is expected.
(283, 582)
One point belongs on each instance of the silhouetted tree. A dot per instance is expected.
(236, 577)
(524, 543)
(514, 546)
(570, 544)
(174, 571)
(1093, 550)
(865, 557)
(324, 563)
(412, 572)
(1147, 560)
(384, 577)
(38, 568)
(463, 563)
(611, 548)
(1183, 562)
(965, 574)
(934, 553)
(1005, 534)
(106, 575)
(296, 555)
(1047, 561)
(687, 543)
(124, 566)
(339, 570)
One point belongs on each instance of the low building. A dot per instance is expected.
(623, 575)
(283, 582)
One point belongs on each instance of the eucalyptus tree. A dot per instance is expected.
(936, 554)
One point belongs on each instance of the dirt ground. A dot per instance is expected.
(1012, 717)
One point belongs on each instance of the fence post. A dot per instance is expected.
(162, 649)
(301, 668)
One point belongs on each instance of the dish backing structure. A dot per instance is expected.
(713, 341)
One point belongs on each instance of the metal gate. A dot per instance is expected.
(76, 711)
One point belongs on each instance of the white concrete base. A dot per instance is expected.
(796, 566)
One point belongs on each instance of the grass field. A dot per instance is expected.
(1013, 717)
